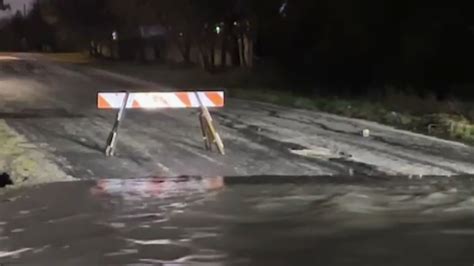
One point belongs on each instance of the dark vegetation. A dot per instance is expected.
(368, 58)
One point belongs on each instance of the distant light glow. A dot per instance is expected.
(283, 8)
(114, 35)
(8, 58)
(218, 29)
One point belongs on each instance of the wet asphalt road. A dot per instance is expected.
(54, 107)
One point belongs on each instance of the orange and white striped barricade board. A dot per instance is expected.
(164, 100)
(161, 100)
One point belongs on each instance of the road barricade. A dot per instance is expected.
(164, 100)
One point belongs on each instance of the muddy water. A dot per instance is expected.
(241, 221)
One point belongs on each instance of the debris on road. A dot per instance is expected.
(5, 180)
(366, 133)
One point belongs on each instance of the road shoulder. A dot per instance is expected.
(24, 162)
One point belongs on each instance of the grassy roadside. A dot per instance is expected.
(448, 119)
(69, 58)
(24, 162)
(440, 119)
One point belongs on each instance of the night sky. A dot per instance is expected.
(16, 5)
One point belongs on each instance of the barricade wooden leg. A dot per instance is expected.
(212, 137)
(205, 134)
(112, 139)
(208, 129)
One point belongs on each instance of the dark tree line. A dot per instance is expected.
(357, 44)
(206, 25)
(345, 44)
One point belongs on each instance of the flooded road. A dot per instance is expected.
(241, 221)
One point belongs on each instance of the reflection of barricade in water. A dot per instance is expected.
(157, 187)
(160, 100)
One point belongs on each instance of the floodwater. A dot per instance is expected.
(241, 221)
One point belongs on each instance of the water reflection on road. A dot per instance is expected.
(241, 221)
